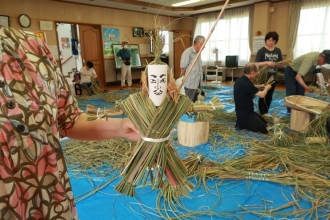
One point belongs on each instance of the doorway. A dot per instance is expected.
(79, 43)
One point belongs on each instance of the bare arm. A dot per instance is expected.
(269, 63)
(260, 86)
(183, 71)
(263, 93)
(302, 83)
(86, 74)
(101, 129)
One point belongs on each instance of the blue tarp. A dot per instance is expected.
(228, 199)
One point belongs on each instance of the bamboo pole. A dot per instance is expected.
(206, 39)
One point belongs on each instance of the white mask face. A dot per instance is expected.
(125, 46)
(157, 82)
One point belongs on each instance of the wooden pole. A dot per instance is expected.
(206, 39)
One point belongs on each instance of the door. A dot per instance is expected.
(92, 49)
(182, 40)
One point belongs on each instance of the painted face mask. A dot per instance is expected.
(157, 82)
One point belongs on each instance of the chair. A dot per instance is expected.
(213, 73)
(322, 84)
(77, 88)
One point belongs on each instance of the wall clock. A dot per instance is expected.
(24, 20)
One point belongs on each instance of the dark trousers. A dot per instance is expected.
(191, 93)
(264, 103)
(87, 86)
(292, 87)
(252, 122)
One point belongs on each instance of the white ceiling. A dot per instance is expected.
(163, 7)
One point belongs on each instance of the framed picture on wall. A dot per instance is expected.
(4, 20)
(138, 32)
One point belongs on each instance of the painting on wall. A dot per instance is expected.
(138, 32)
(135, 54)
(41, 35)
(110, 36)
(65, 43)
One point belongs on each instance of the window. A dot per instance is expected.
(313, 30)
(230, 36)
(165, 34)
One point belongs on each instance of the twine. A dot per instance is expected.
(155, 140)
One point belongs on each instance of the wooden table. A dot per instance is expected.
(133, 68)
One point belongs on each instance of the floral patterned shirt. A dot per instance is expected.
(36, 107)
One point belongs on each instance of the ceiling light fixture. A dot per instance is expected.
(185, 3)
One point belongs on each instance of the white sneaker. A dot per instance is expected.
(267, 115)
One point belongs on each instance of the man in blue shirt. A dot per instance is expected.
(124, 55)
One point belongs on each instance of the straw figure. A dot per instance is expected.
(154, 111)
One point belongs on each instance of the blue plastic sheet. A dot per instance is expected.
(235, 196)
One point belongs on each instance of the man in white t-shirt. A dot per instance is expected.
(87, 73)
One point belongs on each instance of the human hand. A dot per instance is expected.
(271, 64)
(128, 130)
(261, 86)
(310, 89)
(268, 86)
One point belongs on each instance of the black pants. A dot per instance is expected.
(292, 86)
(193, 93)
(252, 122)
(264, 103)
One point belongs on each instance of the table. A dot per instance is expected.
(232, 71)
(133, 68)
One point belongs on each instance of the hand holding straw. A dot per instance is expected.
(263, 71)
(270, 80)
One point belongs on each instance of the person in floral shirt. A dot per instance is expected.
(36, 109)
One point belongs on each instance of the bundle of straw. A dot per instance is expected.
(97, 89)
(317, 127)
(263, 72)
(213, 104)
(94, 113)
(192, 161)
(280, 138)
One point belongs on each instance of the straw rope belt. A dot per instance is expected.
(154, 140)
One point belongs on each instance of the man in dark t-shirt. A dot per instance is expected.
(244, 92)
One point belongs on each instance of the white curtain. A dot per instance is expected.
(313, 30)
(230, 37)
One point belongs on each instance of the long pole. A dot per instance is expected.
(206, 39)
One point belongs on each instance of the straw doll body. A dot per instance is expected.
(154, 111)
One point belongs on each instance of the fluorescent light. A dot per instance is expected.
(185, 3)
